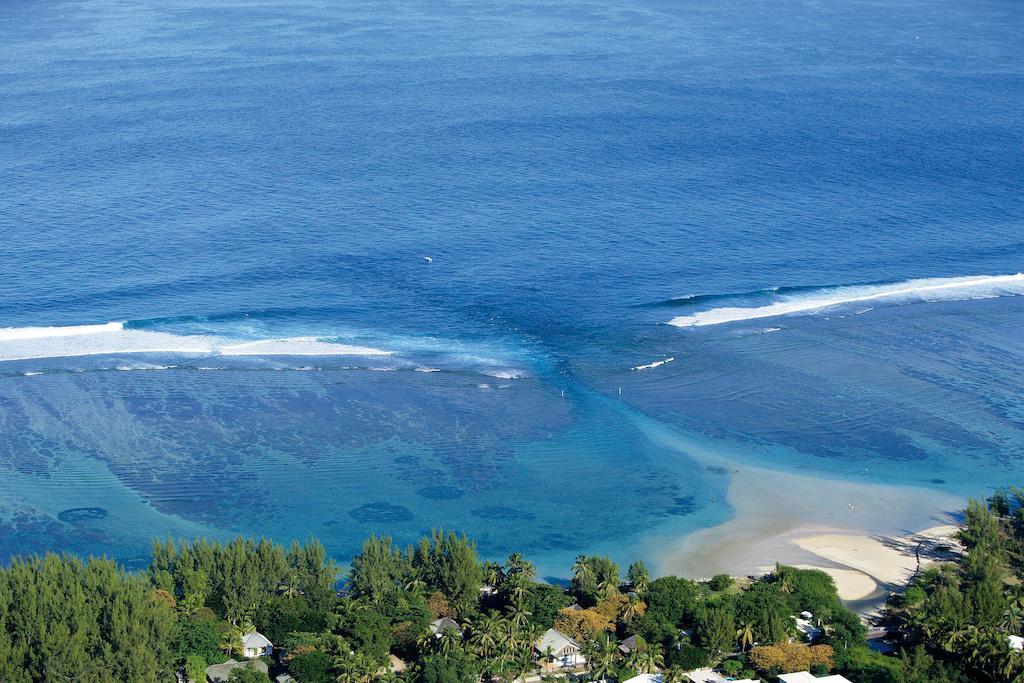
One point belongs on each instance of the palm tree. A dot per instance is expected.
(1013, 617)
(483, 636)
(633, 660)
(785, 582)
(290, 585)
(346, 607)
(673, 675)
(523, 664)
(650, 660)
(415, 584)
(231, 639)
(493, 573)
(589, 650)
(607, 588)
(355, 667)
(506, 645)
(426, 642)
(517, 586)
(634, 607)
(954, 637)
(639, 578)
(518, 615)
(606, 651)
(449, 641)
(517, 564)
(335, 646)
(581, 568)
(745, 635)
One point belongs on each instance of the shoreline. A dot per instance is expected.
(866, 536)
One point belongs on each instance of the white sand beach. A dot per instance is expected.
(866, 536)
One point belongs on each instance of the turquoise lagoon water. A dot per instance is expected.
(221, 217)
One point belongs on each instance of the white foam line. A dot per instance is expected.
(653, 364)
(15, 333)
(25, 343)
(931, 289)
(504, 374)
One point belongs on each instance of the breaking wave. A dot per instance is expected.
(816, 299)
(115, 338)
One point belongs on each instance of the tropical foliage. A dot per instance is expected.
(62, 618)
(957, 618)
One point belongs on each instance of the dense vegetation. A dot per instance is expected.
(955, 619)
(62, 618)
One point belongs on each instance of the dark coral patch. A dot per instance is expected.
(381, 511)
(75, 515)
(683, 505)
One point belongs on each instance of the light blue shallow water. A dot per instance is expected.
(580, 175)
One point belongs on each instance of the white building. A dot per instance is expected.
(805, 625)
(255, 644)
(645, 678)
(708, 675)
(567, 652)
(804, 677)
(1016, 643)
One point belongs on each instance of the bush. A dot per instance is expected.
(282, 615)
(732, 667)
(311, 667)
(787, 657)
(720, 582)
(457, 667)
(198, 637)
(671, 599)
(688, 657)
(864, 665)
(195, 669)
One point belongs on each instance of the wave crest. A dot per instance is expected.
(810, 301)
(114, 338)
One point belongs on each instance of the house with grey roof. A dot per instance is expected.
(221, 673)
(444, 624)
(567, 652)
(255, 644)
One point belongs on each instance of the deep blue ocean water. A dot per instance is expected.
(210, 176)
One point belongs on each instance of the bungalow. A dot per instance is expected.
(645, 678)
(221, 673)
(255, 644)
(444, 624)
(627, 646)
(566, 651)
(805, 677)
(805, 626)
(708, 675)
(1016, 643)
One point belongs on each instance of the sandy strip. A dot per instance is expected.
(888, 561)
(859, 533)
